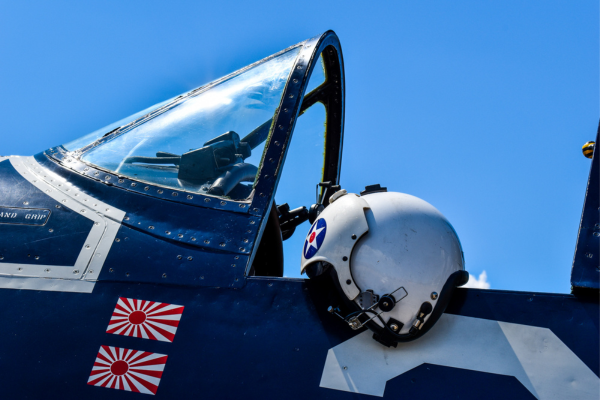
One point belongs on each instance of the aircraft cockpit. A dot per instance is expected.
(214, 173)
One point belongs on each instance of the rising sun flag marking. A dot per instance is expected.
(145, 319)
(125, 369)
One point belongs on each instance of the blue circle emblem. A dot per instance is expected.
(315, 238)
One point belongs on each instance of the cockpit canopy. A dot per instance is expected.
(208, 141)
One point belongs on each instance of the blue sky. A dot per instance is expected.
(478, 107)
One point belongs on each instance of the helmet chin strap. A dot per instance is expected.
(388, 337)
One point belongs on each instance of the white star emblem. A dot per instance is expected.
(311, 240)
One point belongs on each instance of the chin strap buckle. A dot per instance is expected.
(385, 303)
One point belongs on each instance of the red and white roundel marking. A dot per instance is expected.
(125, 369)
(145, 319)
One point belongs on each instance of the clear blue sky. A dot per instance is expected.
(478, 107)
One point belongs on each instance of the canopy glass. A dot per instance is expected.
(210, 142)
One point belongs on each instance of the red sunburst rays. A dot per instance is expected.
(145, 319)
(125, 369)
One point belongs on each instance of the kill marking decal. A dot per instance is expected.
(145, 319)
(125, 369)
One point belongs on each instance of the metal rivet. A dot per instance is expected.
(64, 200)
(159, 191)
(25, 202)
(150, 227)
(434, 295)
(121, 181)
(167, 232)
(164, 275)
(280, 127)
(245, 240)
(206, 200)
(345, 367)
(75, 271)
(354, 237)
(179, 235)
(222, 244)
(108, 209)
(117, 240)
(96, 173)
(345, 258)
(20, 269)
(236, 279)
(277, 143)
(47, 270)
(193, 239)
(174, 194)
(87, 246)
(107, 177)
(50, 230)
(255, 210)
(270, 284)
(295, 80)
(348, 281)
(394, 327)
(223, 203)
(127, 273)
(190, 258)
(242, 249)
(91, 271)
(285, 110)
(147, 188)
(207, 241)
(252, 222)
(589, 255)
(597, 234)
(82, 211)
(179, 257)
(233, 265)
(242, 206)
(291, 96)
(271, 160)
(111, 270)
(57, 206)
(201, 277)
(37, 257)
(236, 257)
(133, 184)
(189, 196)
(126, 218)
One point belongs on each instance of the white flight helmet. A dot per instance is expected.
(396, 259)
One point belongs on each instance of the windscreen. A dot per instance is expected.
(210, 143)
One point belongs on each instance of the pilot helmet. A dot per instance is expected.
(394, 258)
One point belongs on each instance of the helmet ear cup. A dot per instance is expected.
(389, 338)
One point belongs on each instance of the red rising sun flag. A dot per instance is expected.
(145, 319)
(125, 369)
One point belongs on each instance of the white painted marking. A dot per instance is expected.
(535, 356)
(107, 220)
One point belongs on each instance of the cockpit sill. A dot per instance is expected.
(62, 157)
